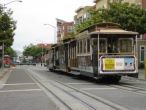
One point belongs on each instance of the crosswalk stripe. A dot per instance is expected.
(25, 90)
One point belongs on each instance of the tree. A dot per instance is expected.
(131, 17)
(11, 52)
(7, 27)
(33, 50)
(95, 18)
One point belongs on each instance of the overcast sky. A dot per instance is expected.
(31, 15)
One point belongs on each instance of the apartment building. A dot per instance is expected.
(144, 4)
(64, 29)
(68, 29)
(105, 3)
(82, 14)
(59, 29)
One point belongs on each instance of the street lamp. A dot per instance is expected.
(12, 2)
(55, 30)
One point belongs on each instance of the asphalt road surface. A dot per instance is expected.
(20, 92)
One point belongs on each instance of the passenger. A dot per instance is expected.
(109, 48)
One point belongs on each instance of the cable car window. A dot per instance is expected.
(112, 45)
(84, 46)
(95, 44)
(81, 46)
(75, 51)
(69, 52)
(88, 45)
(72, 52)
(78, 48)
(125, 45)
(102, 45)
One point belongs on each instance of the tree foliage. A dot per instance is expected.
(33, 50)
(7, 27)
(129, 16)
(11, 52)
(95, 18)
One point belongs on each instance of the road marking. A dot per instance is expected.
(26, 90)
(78, 83)
(123, 87)
(107, 88)
(5, 78)
(19, 84)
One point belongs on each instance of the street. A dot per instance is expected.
(35, 88)
(20, 92)
(73, 55)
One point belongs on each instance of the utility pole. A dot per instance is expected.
(3, 47)
(42, 55)
(3, 53)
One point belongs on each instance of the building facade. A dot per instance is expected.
(82, 14)
(64, 29)
(59, 29)
(68, 29)
(105, 3)
(144, 4)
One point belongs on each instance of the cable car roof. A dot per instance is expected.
(112, 31)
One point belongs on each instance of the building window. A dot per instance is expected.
(59, 29)
(142, 53)
(70, 29)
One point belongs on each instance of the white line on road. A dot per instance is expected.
(19, 84)
(78, 83)
(26, 90)
(109, 88)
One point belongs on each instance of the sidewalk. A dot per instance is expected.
(2, 72)
(141, 74)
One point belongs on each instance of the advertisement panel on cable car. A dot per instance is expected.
(121, 63)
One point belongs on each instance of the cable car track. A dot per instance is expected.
(130, 88)
(83, 99)
(133, 79)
